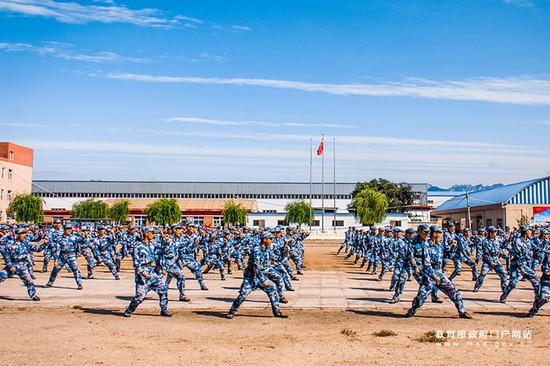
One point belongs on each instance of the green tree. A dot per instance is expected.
(163, 211)
(26, 208)
(298, 212)
(369, 206)
(90, 209)
(234, 213)
(399, 195)
(119, 211)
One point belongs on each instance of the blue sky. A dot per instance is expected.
(428, 91)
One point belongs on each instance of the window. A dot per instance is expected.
(269, 211)
(338, 223)
(11, 155)
(198, 220)
(1, 194)
(140, 220)
(489, 222)
(316, 223)
(10, 173)
(217, 221)
(9, 196)
(3, 172)
(281, 222)
(500, 223)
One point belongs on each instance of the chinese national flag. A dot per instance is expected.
(320, 148)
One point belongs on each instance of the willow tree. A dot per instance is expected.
(234, 213)
(163, 211)
(298, 212)
(26, 208)
(369, 206)
(119, 211)
(90, 209)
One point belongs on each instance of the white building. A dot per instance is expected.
(15, 174)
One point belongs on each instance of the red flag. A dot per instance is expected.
(321, 147)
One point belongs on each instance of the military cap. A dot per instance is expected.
(131, 227)
(409, 231)
(57, 221)
(100, 227)
(148, 229)
(20, 231)
(450, 224)
(266, 235)
(423, 228)
(397, 230)
(435, 229)
(67, 226)
(467, 230)
(524, 228)
(85, 228)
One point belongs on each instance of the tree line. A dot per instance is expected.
(371, 201)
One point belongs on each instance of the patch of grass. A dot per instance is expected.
(78, 307)
(349, 333)
(385, 333)
(431, 337)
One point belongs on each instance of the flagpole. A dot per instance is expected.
(323, 185)
(310, 181)
(334, 168)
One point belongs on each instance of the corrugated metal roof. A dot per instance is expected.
(509, 194)
(235, 188)
(192, 204)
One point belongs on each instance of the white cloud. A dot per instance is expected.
(24, 125)
(64, 51)
(205, 56)
(240, 28)
(521, 3)
(218, 122)
(72, 12)
(513, 90)
(401, 162)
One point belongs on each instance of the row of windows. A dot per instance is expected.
(10, 173)
(315, 223)
(8, 196)
(197, 220)
(192, 195)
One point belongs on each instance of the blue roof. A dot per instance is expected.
(535, 191)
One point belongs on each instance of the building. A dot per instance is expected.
(504, 206)
(16, 174)
(269, 198)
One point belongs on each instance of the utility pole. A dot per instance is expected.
(469, 213)
(311, 217)
(323, 185)
(334, 169)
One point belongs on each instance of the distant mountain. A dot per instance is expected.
(464, 188)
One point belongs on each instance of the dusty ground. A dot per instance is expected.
(37, 335)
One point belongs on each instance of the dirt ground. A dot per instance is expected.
(101, 336)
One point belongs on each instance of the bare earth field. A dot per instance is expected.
(334, 312)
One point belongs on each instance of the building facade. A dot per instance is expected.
(269, 198)
(15, 174)
(505, 206)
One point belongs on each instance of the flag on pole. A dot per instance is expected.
(321, 147)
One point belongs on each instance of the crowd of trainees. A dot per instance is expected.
(270, 258)
(423, 255)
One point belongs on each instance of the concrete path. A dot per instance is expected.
(353, 289)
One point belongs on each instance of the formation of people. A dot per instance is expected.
(424, 254)
(270, 258)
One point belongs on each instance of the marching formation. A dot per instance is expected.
(159, 255)
(423, 255)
